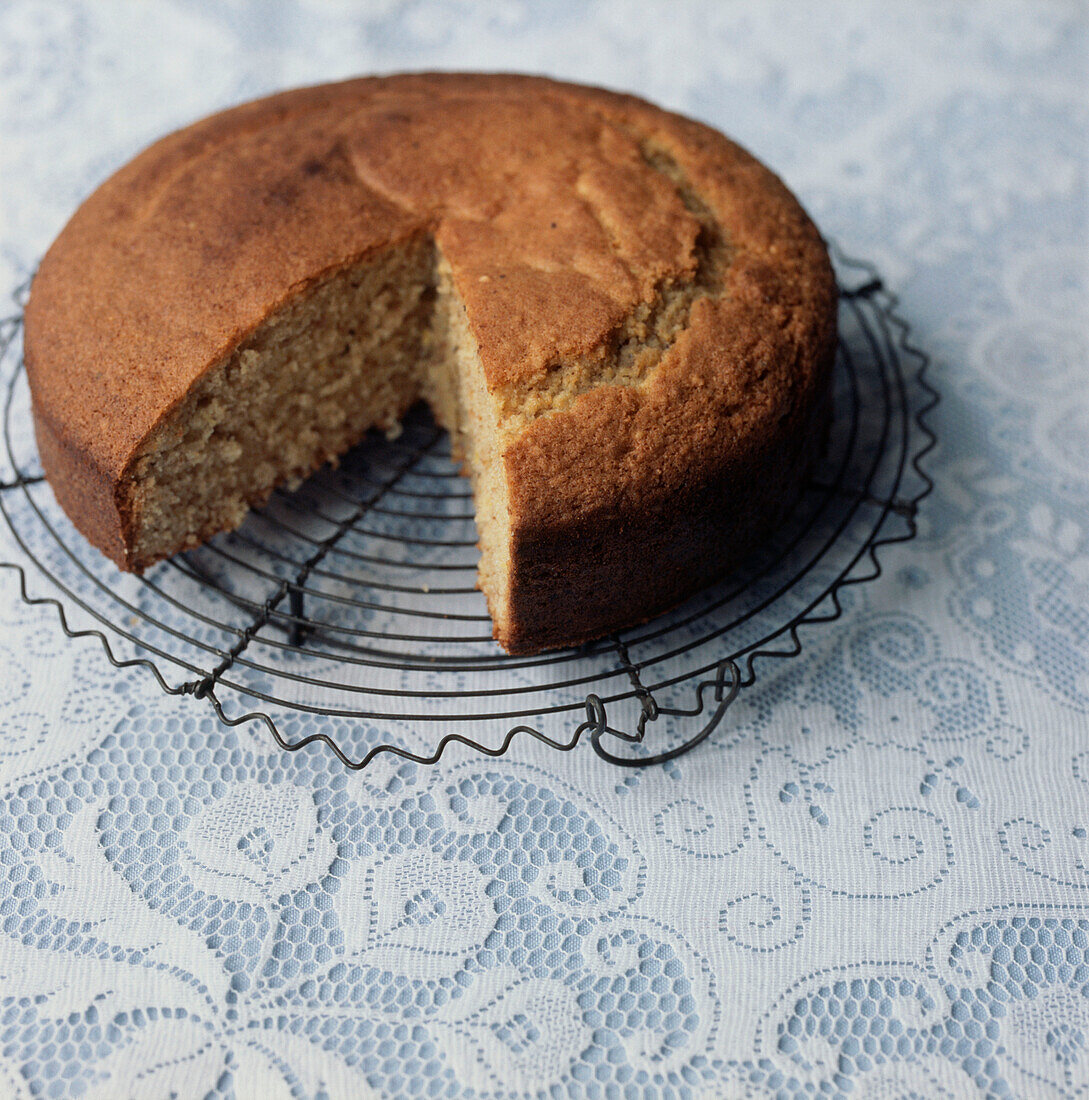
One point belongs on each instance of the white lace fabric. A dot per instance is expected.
(874, 877)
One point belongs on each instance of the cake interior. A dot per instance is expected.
(352, 353)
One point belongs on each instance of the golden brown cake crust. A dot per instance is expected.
(557, 226)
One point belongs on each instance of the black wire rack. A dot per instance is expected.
(346, 612)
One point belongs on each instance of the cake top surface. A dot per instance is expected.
(563, 211)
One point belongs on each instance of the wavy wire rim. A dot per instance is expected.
(894, 331)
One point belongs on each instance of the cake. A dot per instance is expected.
(625, 321)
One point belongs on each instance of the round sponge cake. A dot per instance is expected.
(625, 321)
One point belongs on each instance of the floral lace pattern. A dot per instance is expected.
(874, 878)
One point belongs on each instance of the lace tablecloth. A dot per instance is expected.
(874, 879)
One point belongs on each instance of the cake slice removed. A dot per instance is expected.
(624, 320)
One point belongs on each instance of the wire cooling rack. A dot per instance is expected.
(346, 612)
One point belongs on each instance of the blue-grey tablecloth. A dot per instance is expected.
(873, 880)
